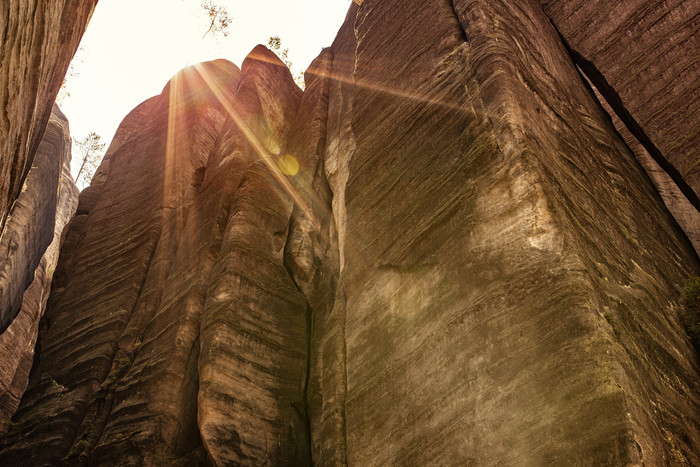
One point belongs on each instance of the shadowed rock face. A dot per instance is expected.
(442, 252)
(642, 56)
(48, 200)
(39, 38)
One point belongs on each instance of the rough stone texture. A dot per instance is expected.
(175, 333)
(687, 216)
(37, 41)
(644, 56)
(469, 266)
(31, 216)
(496, 301)
(30, 228)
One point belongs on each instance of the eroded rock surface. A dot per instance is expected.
(441, 252)
(31, 241)
(643, 56)
(172, 293)
(495, 301)
(38, 40)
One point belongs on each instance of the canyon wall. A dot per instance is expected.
(31, 243)
(441, 252)
(39, 38)
(641, 59)
(643, 56)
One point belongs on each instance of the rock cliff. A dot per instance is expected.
(643, 56)
(641, 59)
(441, 252)
(39, 38)
(31, 241)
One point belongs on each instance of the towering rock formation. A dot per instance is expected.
(37, 195)
(641, 58)
(48, 200)
(150, 331)
(37, 41)
(441, 252)
(37, 214)
(642, 55)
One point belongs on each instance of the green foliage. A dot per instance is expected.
(72, 72)
(78, 449)
(274, 43)
(690, 313)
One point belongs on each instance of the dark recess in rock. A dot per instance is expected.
(613, 99)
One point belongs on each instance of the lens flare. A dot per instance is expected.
(288, 164)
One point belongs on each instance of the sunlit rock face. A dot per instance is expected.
(508, 278)
(38, 40)
(440, 253)
(174, 330)
(31, 242)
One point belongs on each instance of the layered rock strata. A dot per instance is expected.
(643, 57)
(39, 38)
(31, 241)
(505, 310)
(153, 331)
(442, 252)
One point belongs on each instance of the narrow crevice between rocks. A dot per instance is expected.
(304, 414)
(462, 29)
(307, 379)
(615, 101)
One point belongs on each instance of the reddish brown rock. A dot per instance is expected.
(497, 298)
(441, 253)
(643, 55)
(39, 38)
(194, 298)
(48, 200)
(687, 216)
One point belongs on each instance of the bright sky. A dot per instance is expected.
(133, 47)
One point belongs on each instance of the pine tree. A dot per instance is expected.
(90, 152)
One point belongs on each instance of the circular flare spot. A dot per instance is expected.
(288, 164)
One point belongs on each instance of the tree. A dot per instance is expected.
(274, 43)
(90, 153)
(219, 18)
(71, 73)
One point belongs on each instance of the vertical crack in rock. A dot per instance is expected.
(615, 102)
(459, 19)
(304, 410)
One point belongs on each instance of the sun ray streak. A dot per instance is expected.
(261, 152)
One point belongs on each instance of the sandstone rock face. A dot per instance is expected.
(47, 202)
(687, 216)
(147, 334)
(440, 253)
(643, 56)
(494, 303)
(39, 38)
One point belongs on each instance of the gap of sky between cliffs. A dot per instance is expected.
(133, 47)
